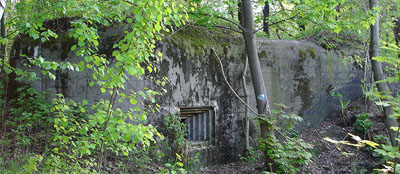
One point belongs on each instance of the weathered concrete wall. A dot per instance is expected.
(301, 75)
(297, 74)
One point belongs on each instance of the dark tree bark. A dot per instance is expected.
(240, 13)
(265, 17)
(379, 75)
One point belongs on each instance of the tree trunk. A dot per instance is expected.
(378, 75)
(246, 110)
(255, 70)
(254, 63)
(265, 17)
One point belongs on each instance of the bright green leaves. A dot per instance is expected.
(157, 27)
(78, 134)
(133, 101)
(289, 154)
(393, 64)
(104, 130)
(86, 36)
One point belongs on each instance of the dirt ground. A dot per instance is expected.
(328, 157)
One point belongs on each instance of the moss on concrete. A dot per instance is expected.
(197, 41)
(311, 51)
(303, 54)
(262, 54)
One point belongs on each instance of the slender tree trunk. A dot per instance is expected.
(246, 110)
(266, 16)
(5, 82)
(3, 35)
(254, 64)
(255, 70)
(379, 75)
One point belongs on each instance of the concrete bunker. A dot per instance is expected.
(197, 87)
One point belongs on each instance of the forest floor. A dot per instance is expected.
(328, 157)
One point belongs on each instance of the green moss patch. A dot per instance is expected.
(303, 54)
(311, 51)
(197, 41)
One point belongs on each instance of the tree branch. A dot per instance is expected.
(223, 74)
(233, 22)
(223, 18)
(274, 23)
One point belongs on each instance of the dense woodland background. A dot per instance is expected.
(65, 136)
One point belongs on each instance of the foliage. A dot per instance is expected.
(27, 130)
(175, 133)
(176, 167)
(363, 123)
(81, 137)
(71, 138)
(85, 133)
(251, 156)
(390, 154)
(25, 164)
(291, 152)
(28, 123)
(343, 104)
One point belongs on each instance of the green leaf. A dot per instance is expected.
(35, 36)
(120, 121)
(81, 43)
(149, 69)
(52, 76)
(7, 70)
(157, 27)
(73, 47)
(180, 164)
(133, 101)
(83, 131)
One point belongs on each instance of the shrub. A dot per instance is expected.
(289, 153)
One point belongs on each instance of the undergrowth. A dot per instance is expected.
(64, 137)
(287, 151)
